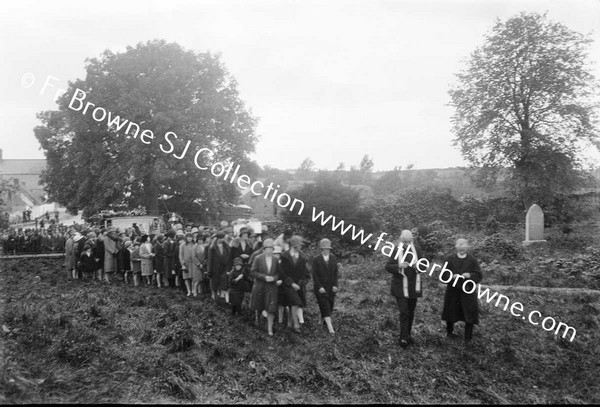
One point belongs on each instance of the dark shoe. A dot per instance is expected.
(404, 343)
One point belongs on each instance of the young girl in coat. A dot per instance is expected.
(87, 262)
(126, 258)
(238, 285)
(136, 263)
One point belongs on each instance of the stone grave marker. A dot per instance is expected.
(534, 225)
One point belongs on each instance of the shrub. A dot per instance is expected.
(497, 246)
(435, 239)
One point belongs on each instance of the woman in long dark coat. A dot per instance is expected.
(159, 259)
(325, 281)
(295, 275)
(171, 250)
(459, 305)
(219, 264)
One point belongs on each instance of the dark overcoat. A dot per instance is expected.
(218, 266)
(411, 274)
(170, 252)
(458, 305)
(238, 288)
(294, 272)
(325, 275)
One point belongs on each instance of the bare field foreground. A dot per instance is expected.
(87, 342)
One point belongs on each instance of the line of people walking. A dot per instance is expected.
(267, 276)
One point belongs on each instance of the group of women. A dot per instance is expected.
(268, 276)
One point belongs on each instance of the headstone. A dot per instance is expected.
(534, 225)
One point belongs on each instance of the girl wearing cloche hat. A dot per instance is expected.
(325, 281)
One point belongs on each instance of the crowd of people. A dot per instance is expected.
(247, 271)
(30, 240)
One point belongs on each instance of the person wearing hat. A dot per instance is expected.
(190, 261)
(136, 263)
(241, 246)
(265, 271)
(125, 254)
(203, 246)
(219, 264)
(228, 235)
(195, 232)
(110, 253)
(277, 252)
(180, 240)
(79, 242)
(283, 240)
(147, 255)
(294, 268)
(254, 239)
(325, 281)
(238, 285)
(98, 251)
(87, 263)
(69, 256)
(159, 258)
(169, 258)
(200, 254)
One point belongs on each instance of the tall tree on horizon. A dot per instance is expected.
(525, 105)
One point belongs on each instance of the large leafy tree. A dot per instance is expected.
(163, 88)
(524, 107)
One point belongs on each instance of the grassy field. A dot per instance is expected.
(87, 342)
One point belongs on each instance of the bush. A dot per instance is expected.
(333, 199)
(435, 239)
(498, 246)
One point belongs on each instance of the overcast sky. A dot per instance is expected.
(329, 80)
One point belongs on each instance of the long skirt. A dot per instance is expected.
(325, 302)
(264, 297)
(219, 281)
(293, 297)
(147, 267)
(197, 274)
(236, 292)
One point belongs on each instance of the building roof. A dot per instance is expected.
(22, 167)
